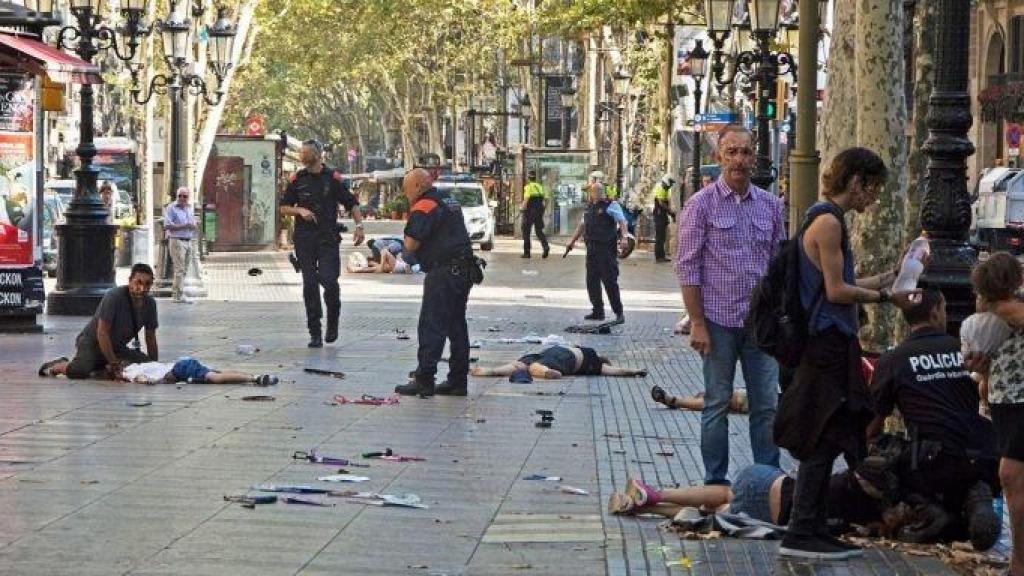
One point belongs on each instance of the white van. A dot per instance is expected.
(999, 210)
(477, 210)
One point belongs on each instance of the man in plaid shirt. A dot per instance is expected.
(729, 231)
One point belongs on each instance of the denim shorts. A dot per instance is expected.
(185, 368)
(750, 491)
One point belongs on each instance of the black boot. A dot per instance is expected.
(416, 388)
(332, 331)
(315, 341)
(983, 526)
(447, 389)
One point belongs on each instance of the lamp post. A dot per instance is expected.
(85, 266)
(620, 82)
(760, 65)
(568, 98)
(525, 108)
(698, 68)
(946, 206)
(805, 160)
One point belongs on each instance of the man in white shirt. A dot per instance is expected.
(179, 229)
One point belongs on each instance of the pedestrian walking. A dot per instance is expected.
(534, 203)
(603, 228)
(313, 197)
(728, 232)
(436, 233)
(826, 409)
(662, 212)
(179, 229)
(110, 339)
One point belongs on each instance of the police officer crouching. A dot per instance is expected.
(436, 233)
(313, 196)
(603, 227)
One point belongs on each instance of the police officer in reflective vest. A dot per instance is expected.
(313, 196)
(603, 227)
(534, 200)
(662, 212)
(436, 233)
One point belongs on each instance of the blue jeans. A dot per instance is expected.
(761, 374)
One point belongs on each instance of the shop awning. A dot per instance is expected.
(41, 58)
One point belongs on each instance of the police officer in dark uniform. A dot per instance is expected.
(603, 227)
(436, 233)
(313, 196)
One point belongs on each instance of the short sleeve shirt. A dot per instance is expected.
(116, 309)
(1006, 374)
(320, 193)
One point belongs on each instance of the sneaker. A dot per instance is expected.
(594, 316)
(45, 369)
(266, 380)
(642, 494)
(811, 548)
(852, 549)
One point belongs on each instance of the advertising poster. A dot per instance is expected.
(16, 115)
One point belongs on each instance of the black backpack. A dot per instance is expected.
(776, 319)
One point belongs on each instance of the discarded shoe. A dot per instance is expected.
(266, 380)
(642, 494)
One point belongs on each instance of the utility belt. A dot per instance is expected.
(469, 265)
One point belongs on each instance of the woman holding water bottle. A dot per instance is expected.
(825, 411)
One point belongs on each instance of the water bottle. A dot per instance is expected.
(913, 265)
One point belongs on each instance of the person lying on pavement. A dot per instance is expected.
(556, 361)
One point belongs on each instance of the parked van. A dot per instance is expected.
(999, 210)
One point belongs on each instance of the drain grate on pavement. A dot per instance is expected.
(519, 528)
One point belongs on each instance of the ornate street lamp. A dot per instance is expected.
(698, 68)
(760, 66)
(525, 109)
(620, 81)
(946, 206)
(85, 266)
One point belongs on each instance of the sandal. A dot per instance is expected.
(620, 503)
(641, 494)
(660, 396)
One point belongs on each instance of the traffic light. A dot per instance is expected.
(781, 95)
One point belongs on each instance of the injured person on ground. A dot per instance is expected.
(557, 361)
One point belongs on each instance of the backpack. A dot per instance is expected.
(776, 319)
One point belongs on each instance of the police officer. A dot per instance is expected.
(436, 233)
(534, 201)
(313, 196)
(603, 227)
(662, 212)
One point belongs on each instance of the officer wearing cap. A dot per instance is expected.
(312, 197)
(603, 227)
(436, 233)
(534, 200)
(662, 212)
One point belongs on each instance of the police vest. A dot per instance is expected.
(318, 193)
(449, 239)
(534, 194)
(599, 226)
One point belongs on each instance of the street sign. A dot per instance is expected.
(720, 118)
(255, 125)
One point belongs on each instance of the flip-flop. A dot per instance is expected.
(659, 395)
(620, 503)
(641, 494)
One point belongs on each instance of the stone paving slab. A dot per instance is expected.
(92, 485)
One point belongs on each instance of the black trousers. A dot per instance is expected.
(660, 236)
(443, 317)
(320, 262)
(603, 269)
(535, 222)
(89, 358)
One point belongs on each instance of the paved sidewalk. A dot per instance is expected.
(92, 484)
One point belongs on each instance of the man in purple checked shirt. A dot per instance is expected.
(729, 231)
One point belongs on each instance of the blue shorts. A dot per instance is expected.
(751, 489)
(185, 368)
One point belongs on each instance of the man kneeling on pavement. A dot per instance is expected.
(952, 461)
(103, 345)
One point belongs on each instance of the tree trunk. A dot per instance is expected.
(838, 125)
(881, 125)
(924, 77)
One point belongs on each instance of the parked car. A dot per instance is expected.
(477, 210)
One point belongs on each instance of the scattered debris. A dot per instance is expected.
(546, 418)
(255, 271)
(493, 329)
(566, 489)
(343, 478)
(259, 398)
(324, 372)
(542, 477)
(604, 328)
(252, 501)
(368, 400)
(400, 334)
(306, 501)
(481, 420)
(635, 461)
(139, 403)
(374, 499)
(315, 458)
(390, 456)
(665, 453)
(530, 273)
(291, 489)
(246, 349)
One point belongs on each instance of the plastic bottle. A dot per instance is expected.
(913, 265)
